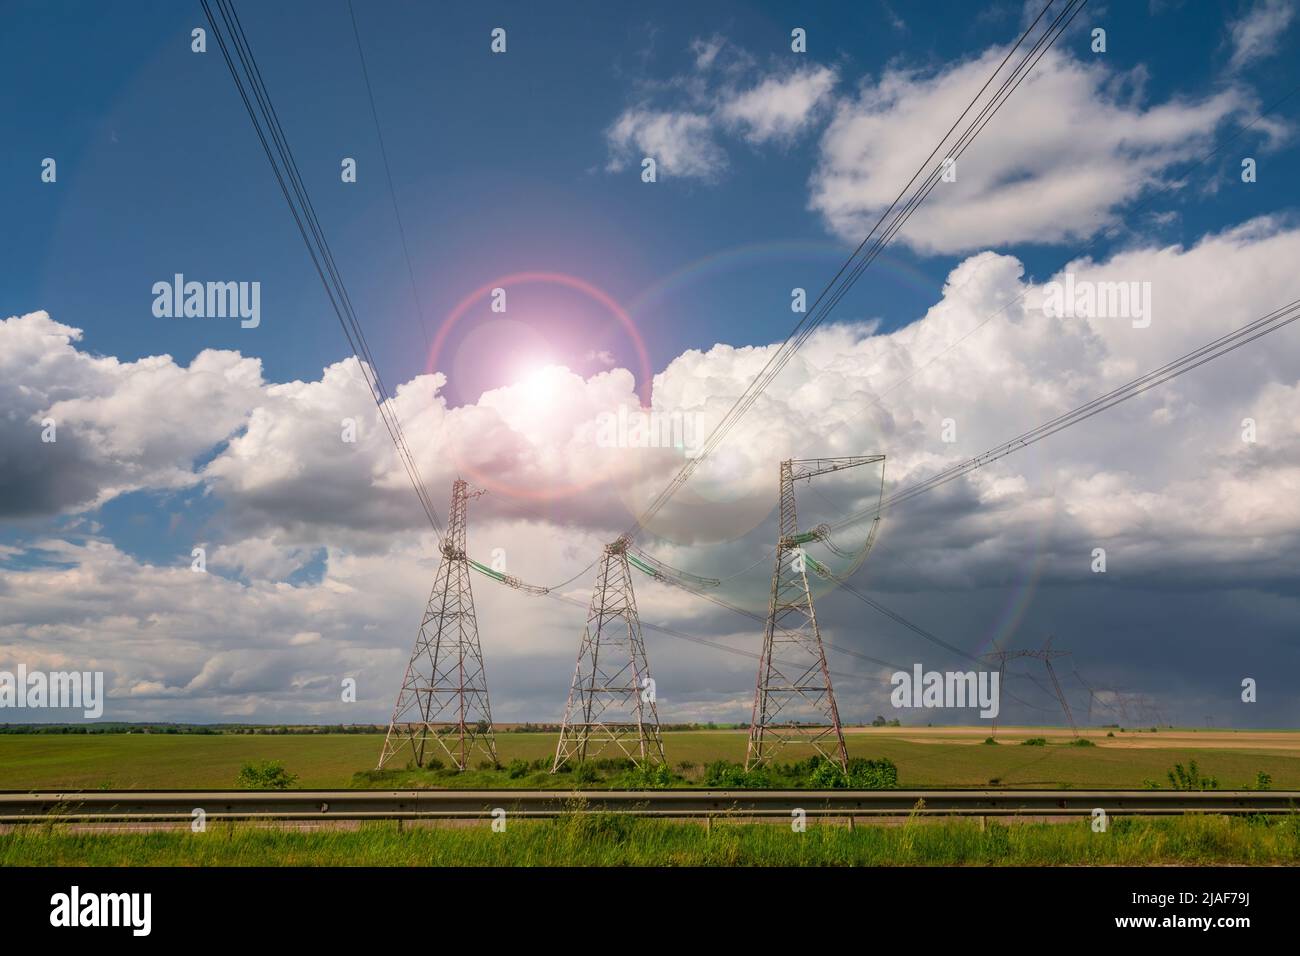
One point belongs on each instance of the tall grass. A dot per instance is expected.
(615, 840)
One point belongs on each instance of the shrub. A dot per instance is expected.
(862, 774)
(1191, 778)
(1263, 781)
(733, 776)
(990, 741)
(872, 774)
(647, 777)
(586, 773)
(1034, 742)
(723, 773)
(827, 776)
(517, 769)
(433, 763)
(267, 775)
(1082, 742)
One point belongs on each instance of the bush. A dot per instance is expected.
(267, 775)
(1082, 742)
(990, 741)
(647, 777)
(1263, 781)
(585, 773)
(734, 776)
(517, 769)
(1191, 778)
(433, 763)
(1034, 742)
(872, 774)
(724, 774)
(862, 774)
(827, 776)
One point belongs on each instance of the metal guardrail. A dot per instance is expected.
(95, 806)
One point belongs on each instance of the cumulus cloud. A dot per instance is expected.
(117, 426)
(1069, 149)
(1199, 525)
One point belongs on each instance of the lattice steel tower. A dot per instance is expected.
(793, 698)
(444, 695)
(611, 700)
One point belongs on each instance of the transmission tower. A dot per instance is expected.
(1045, 654)
(1000, 657)
(612, 697)
(444, 696)
(793, 698)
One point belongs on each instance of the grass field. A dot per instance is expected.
(620, 840)
(925, 757)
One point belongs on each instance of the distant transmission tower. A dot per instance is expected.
(612, 697)
(1044, 654)
(793, 698)
(444, 695)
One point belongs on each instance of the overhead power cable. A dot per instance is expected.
(388, 173)
(1223, 345)
(891, 220)
(239, 58)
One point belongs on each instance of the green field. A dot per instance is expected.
(620, 840)
(941, 759)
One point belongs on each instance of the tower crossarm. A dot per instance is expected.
(803, 468)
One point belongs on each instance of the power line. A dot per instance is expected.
(252, 88)
(857, 263)
(388, 173)
(1223, 345)
(1106, 232)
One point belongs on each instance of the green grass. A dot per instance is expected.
(180, 761)
(616, 840)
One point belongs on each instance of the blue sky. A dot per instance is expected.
(498, 162)
(506, 164)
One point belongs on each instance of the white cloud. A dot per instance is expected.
(725, 92)
(1068, 150)
(1257, 34)
(119, 426)
(1164, 483)
(681, 144)
(779, 106)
